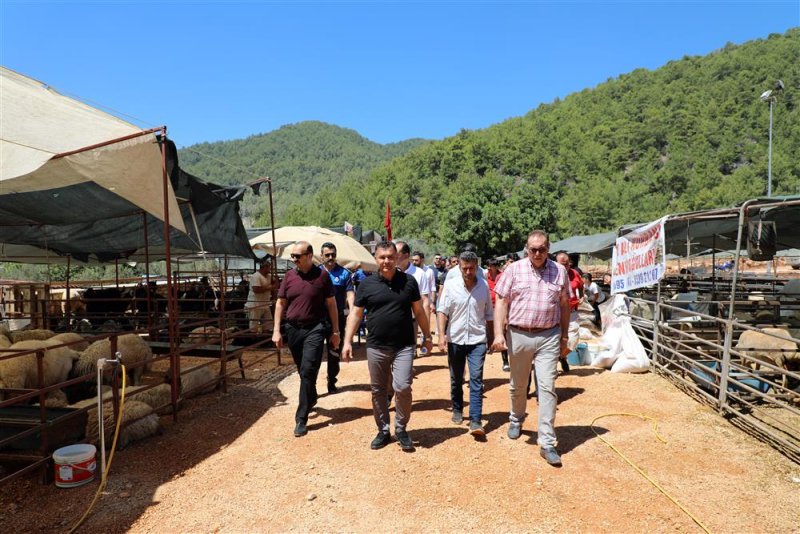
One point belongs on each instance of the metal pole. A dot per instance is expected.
(171, 304)
(68, 303)
(726, 349)
(769, 163)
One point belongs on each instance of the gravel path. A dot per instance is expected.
(231, 464)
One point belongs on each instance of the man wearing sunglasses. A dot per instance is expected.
(344, 293)
(306, 299)
(532, 297)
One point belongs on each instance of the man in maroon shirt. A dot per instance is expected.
(306, 299)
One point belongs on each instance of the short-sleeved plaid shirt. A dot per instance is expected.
(533, 295)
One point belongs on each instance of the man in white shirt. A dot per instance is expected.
(466, 306)
(594, 297)
(258, 299)
(405, 265)
(418, 259)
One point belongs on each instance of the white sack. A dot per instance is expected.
(632, 357)
(574, 327)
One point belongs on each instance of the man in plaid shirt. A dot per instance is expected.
(533, 300)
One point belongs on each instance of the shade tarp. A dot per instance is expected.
(38, 186)
(700, 232)
(693, 233)
(597, 245)
(77, 182)
(347, 249)
(208, 212)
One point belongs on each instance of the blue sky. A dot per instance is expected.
(391, 71)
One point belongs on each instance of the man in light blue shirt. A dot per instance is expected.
(466, 306)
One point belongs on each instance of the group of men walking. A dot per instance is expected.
(528, 321)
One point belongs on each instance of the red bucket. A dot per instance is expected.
(75, 465)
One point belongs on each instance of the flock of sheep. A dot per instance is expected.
(69, 355)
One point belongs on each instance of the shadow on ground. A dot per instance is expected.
(336, 416)
(586, 371)
(206, 424)
(427, 438)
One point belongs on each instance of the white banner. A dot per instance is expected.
(639, 258)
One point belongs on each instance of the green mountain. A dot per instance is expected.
(302, 159)
(692, 134)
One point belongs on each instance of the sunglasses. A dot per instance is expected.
(330, 255)
(539, 250)
(298, 256)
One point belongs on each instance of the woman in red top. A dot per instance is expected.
(575, 296)
(492, 277)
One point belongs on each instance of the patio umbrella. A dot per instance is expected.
(347, 249)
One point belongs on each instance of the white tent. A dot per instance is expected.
(347, 249)
(63, 162)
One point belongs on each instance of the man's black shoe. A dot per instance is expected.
(404, 440)
(301, 429)
(564, 365)
(380, 441)
(332, 388)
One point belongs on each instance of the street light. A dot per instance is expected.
(771, 96)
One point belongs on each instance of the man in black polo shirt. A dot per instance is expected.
(306, 296)
(390, 297)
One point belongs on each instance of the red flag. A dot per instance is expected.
(387, 222)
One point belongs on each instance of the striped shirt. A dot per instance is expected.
(533, 295)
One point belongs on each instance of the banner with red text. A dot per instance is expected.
(638, 258)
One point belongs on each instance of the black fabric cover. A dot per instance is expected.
(114, 228)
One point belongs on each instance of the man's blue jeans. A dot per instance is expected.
(457, 357)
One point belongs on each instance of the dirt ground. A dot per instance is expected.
(232, 464)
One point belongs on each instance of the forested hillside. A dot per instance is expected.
(692, 134)
(302, 159)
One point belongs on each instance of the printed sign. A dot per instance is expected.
(638, 258)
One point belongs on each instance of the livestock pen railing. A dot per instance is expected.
(30, 433)
(699, 353)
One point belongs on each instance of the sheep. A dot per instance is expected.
(158, 397)
(55, 399)
(780, 350)
(193, 378)
(21, 372)
(76, 341)
(133, 348)
(208, 335)
(196, 377)
(25, 335)
(138, 422)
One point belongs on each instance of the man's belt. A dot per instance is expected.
(532, 330)
(303, 324)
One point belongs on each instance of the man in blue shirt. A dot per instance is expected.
(344, 293)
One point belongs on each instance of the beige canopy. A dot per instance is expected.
(348, 249)
(47, 160)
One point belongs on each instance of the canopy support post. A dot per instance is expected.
(174, 357)
(68, 303)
